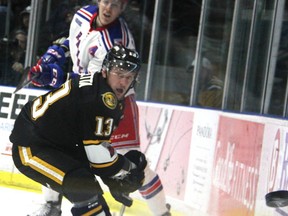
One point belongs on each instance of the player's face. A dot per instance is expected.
(109, 10)
(120, 81)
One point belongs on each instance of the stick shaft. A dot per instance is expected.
(24, 80)
(122, 210)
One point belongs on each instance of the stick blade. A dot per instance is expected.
(277, 199)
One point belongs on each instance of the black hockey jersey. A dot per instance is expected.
(83, 111)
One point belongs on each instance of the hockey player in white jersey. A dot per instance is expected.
(93, 31)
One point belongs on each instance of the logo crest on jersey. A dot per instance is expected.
(92, 50)
(108, 146)
(109, 99)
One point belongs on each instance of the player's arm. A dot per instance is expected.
(105, 161)
(122, 174)
(57, 53)
(130, 182)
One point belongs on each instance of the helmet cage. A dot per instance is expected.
(123, 66)
(128, 67)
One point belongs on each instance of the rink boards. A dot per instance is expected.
(212, 162)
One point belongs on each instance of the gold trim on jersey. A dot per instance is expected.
(94, 142)
(98, 209)
(104, 165)
(109, 100)
(40, 166)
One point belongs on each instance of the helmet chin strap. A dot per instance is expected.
(130, 87)
(132, 84)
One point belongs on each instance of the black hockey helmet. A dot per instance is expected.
(123, 58)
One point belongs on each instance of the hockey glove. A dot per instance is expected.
(137, 158)
(120, 189)
(47, 74)
(54, 54)
(122, 198)
(131, 182)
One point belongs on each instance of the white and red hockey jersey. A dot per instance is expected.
(126, 135)
(88, 45)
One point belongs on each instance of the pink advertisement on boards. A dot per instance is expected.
(167, 131)
(236, 167)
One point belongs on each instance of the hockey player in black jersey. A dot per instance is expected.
(62, 139)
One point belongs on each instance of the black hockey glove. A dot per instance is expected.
(138, 158)
(122, 198)
(136, 176)
(117, 191)
(119, 188)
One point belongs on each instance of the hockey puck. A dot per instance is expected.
(277, 199)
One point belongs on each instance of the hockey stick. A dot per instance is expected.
(123, 207)
(122, 210)
(277, 199)
(24, 81)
